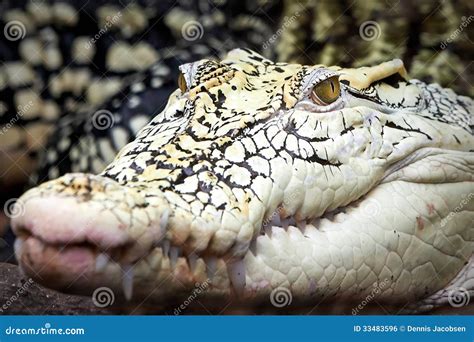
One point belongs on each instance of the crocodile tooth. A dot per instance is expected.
(268, 231)
(193, 258)
(316, 223)
(253, 247)
(301, 225)
(276, 221)
(291, 221)
(211, 266)
(236, 271)
(17, 246)
(166, 248)
(285, 223)
(101, 261)
(174, 254)
(127, 281)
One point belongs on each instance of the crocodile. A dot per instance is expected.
(258, 176)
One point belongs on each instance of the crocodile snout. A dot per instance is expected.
(69, 229)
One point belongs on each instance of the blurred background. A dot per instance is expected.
(79, 78)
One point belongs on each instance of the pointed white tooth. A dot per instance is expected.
(316, 223)
(301, 225)
(236, 271)
(192, 261)
(268, 231)
(266, 226)
(253, 247)
(166, 248)
(285, 223)
(101, 261)
(276, 220)
(127, 281)
(292, 221)
(211, 266)
(174, 253)
(17, 247)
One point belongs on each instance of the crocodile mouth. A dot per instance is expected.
(83, 256)
(80, 263)
(80, 267)
(54, 252)
(71, 267)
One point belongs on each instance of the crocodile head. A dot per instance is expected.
(260, 175)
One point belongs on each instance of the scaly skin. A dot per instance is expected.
(244, 182)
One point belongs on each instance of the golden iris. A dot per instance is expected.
(327, 91)
(182, 83)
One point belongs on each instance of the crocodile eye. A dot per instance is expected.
(326, 92)
(182, 83)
